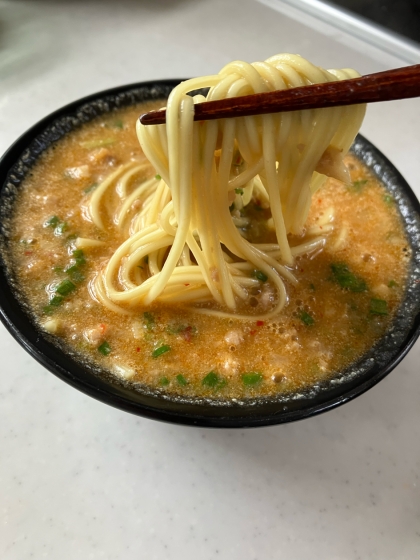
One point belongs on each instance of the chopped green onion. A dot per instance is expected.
(58, 269)
(164, 381)
(211, 379)
(118, 124)
(90, 188)
(52, 222)
(79, 256)
(378, 307)
(259, 275)
(149, 320)
(161, 350)
(71, 269)
(181, 380)
(56, 301)
(104, 348)
(306, 318)
(239, 191)
(65, 287)
(346, 279)
(61, 228)
(158, 177)
(47, 309)
(393, 284)
(214, 381)
(388, 199)
(252, 378)
(357, 186)
(71, 238)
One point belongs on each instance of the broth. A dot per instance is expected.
(346, 296)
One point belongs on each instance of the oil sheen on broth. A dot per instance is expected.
(346, 295)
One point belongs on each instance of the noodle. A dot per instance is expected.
(185, 243)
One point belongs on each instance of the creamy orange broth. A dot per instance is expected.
(346, 295)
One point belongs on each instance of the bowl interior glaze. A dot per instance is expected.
(342, 387)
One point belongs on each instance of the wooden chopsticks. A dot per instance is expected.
(399, 83)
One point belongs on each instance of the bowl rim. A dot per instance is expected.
(36, 343)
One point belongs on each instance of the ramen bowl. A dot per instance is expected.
(341, 387)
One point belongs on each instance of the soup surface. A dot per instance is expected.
(346, 295)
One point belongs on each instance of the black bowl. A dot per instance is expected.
(345, 385)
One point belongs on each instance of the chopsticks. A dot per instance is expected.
(399, 83)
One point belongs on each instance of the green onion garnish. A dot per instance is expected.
(357, 186)
(54, 302)
(161, 350)
(252, 378)
(65, 287)
(307, 318)
(71, 269)
(164, 381)
(346, 279)
(61, 228)
(259, 275)
(79, 256)
(52, 222)
(71, 238)
(104, 348)
(239, 191)
(388, 199)
(181, 380)
(214, 381)
(90, 188)
(393, 284)
(158, 177)
(149, 320)
(378, 307)
(211, 379)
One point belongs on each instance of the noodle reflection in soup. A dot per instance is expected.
(243, 256)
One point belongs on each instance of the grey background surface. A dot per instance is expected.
(79, 479)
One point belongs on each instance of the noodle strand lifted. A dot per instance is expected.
(187, 240)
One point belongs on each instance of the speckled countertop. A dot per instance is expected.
(80, 480)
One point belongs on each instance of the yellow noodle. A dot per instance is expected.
(196, 249)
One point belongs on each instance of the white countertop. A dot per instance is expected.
(80, 480)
